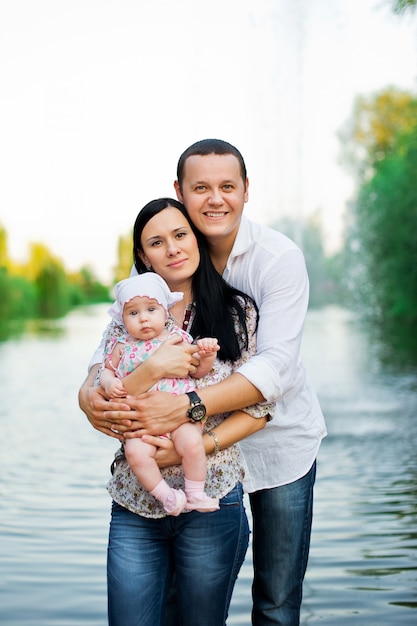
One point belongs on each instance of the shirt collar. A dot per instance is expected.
(243, 239)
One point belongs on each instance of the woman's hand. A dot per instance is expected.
(173, 359)
(166, 453)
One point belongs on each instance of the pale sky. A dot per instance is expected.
(100, 97)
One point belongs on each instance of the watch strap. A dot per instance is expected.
(193, 397)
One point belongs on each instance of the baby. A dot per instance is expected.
(142, 304)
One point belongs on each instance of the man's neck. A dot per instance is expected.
(220, 250)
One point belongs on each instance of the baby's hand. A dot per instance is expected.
(207, 345)
(116, 389)
(207, 350)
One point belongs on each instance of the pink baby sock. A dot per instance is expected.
(194, 488)
(173, 499)
(197, 499)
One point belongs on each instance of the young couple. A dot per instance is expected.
(278, 460)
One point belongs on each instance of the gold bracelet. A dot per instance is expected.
(212, 434)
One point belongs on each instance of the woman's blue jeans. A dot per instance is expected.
(205, 550)
(281, 541)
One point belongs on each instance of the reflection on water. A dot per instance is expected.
(363, 558)
(54, 509)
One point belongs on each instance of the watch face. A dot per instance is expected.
(197, 412)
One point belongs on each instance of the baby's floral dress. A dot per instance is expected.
(136, 351)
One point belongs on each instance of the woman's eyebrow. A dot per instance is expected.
(175, 230)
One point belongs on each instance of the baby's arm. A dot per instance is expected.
(112, 385)
(207, 350)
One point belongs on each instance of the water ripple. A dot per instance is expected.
(54, 509)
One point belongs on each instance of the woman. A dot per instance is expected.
(206, 550)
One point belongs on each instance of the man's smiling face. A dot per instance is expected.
(214, 194)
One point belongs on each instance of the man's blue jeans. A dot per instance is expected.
(206, 551)
(281, 541)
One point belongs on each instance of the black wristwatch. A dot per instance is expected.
(197, 410)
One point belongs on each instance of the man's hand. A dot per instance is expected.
(152, 413)
(93, 403)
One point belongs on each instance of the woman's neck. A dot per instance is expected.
(178, 310)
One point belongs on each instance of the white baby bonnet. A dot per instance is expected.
(150, 285)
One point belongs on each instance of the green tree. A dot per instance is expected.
(41, 288)
(376, 123)
(381, 245)
(400, 7)
(386, 212)
(48, 274)
(86, 289)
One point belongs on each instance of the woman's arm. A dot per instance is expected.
(233, 429)
(173, 359)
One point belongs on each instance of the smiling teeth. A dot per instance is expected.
(215, 214)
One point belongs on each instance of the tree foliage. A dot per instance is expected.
(400, 7)
(381, 239)
(41, 287)
(386, 211)
(373, 130)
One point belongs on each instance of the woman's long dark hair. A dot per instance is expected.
(216, 302)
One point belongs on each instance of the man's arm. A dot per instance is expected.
(93, 403)
(158, 412)
(281, 291)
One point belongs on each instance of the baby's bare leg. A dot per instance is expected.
(188, 442)
(141, 458)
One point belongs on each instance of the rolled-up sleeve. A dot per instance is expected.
(281, 291)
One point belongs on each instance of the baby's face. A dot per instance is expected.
(144, 318)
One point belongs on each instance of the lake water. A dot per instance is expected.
(54, 509)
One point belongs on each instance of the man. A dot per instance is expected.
(281, 459)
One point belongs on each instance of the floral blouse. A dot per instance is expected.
(224, 469)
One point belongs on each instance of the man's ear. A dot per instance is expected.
(178, 191)
(247, 190)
